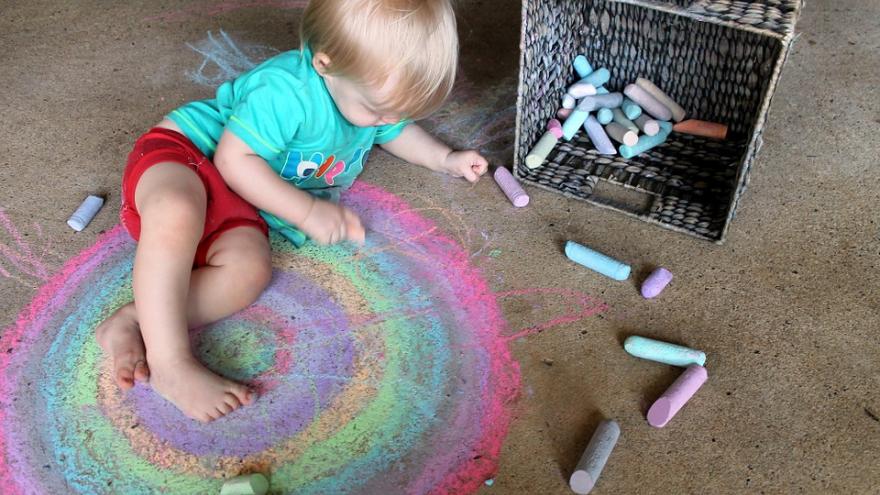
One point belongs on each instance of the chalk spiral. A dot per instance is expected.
(381, 369)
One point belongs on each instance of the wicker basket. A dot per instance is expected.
(719, 59)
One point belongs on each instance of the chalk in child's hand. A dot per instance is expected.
(609, 100)
(656, 282)
(622, 119)
(597, 78)
(579, 90)
(604, 115)
(582, 66)
(630, 109)
(663, 352)
(598, 137)
(85, 213)
(621, 134)
(647, 102)
(647, 142)
(511, 187)
(593, 460)
(596, 261)
(247, 484)
(676, 396)
(678, 113)
(701, 128)
(544, 145)
(568, 101)
(648, 125)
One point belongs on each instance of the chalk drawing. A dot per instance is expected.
(224, 59)
(19, 260)
(212, 9)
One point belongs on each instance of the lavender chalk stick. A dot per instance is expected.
(593, 460)
(597, 261)
(656, 282)
(663, 352)
(598, 137)
(85, 213)
(647, 142)
(621, 119)
(604, 116)
(678, 113)
(630, 109)
(648, 125)
(621, 134)
(647, 102)
(676, 396)
(609, 100)
(248, 484)
(511, 187)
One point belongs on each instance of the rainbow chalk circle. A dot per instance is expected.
(597, 135)
(621, 118)
(647, 102)
(85, 213)
(544, 145)
(610, 100)
(604, 116)
(568, 101)
(579, 90)
(621, 134)
(597, 261)
(648, 125)
(701, 128)
(573, 123)
(678, 113)
(663, 352)
(588, 469)
(647, 142)
(630, 109)
(656, 282)
(676, 396)
(248, 484)
(511, 187)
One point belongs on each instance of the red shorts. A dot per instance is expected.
(225, 209)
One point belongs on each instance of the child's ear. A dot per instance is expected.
(321, 63)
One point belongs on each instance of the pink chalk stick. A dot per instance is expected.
(656, 282)
(676, 396)
(555, 128)
(511, 187)
(563, 113)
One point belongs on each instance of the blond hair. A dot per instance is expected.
(369, 40)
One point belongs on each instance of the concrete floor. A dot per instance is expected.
(787, 310)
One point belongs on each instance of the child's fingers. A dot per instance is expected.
(470, 175)
(354, 229)
(480, 168)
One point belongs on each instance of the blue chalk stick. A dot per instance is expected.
(604, 116)
(573, 123)
(599, 137)
(630, 109)
(597, 78)
(582, 66)
(647, 142)
(663, 352)
(597, 261)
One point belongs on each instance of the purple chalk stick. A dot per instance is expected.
(656, 282)
(511, 187)
(676, 396)
(598, 137)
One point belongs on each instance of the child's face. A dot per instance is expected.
(359, 104)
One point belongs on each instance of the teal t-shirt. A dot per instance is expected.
(283, 111)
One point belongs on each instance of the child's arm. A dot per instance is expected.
(415, 145)
(251, 178)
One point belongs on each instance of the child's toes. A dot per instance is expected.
(232, 401)
(242, 393)
(124, 377)
(141, 371)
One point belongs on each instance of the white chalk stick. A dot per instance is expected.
(592, 462)
(621, 134)
(568, 101)
(579, 90)
(648, 125)
(85, 213)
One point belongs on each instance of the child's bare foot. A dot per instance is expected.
(195, 390)
(120, 337)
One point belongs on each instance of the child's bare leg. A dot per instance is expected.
(171, 202)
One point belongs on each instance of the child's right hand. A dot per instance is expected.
(329, 223)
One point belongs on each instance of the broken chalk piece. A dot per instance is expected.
(568, 101)
(609, 100)
(663, 352)
(647, 142)
(647, 102)
(621, 134)
(85, 213)
(511, 187)
(590, 466)
(649, 126)
(597, 78)
(701, 128)
(604, 115)
(598, 137)
(622, 119)
(545, 145)
(656, 282)
(597, 261)
(678, 113)
(247, 484)
(579, 90)
(676, 396)
(630, 109)
(573, 123)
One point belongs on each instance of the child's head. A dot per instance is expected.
(383, 60)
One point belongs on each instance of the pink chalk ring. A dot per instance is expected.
(656, 282)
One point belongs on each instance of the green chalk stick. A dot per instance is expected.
(663, 352)
(246, 484)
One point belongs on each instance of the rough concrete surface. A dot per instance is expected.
(786, 310)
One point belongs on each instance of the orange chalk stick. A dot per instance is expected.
(701, 128)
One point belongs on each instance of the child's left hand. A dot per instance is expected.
(468, 164)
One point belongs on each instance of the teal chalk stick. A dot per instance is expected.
(647, 142)
(663, 352)
(582, 66)
(630, 109)
(573, 123)
(604, 116)
(597, 261)
(597, 78)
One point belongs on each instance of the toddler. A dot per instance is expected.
(273, 149)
